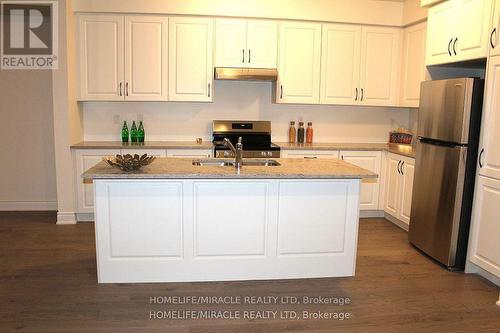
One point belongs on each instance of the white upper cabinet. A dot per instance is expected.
(146, 58)
(495, 31)
(299, 63)
(101, 57)
(360, 65)
(341, 53)
(458, 30)
(262, 44)
(473, 29)
(380, 65)
(413, 66)
(190, 59)
(439, 32)
(123, 58)
(230, 43)
(489, 158)
(246, 43)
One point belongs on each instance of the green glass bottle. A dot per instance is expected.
(133, 133)
(125, 133)
(140, 133)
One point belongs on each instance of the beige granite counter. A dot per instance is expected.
(405, 150)
(145, 145)
(182, 168)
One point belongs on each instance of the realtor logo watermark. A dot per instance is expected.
(29, 34)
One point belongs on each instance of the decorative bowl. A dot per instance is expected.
(128, 162)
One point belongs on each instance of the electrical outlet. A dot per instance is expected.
(116, 119)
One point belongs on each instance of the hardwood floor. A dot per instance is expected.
(48, 284)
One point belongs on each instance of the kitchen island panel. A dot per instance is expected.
(144, 249)
(238, 227)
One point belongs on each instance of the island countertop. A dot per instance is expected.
(182, 168)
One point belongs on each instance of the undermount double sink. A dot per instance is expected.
(246, 162)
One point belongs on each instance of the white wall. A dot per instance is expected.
(242, 101)
(27, 177)
(413, 12)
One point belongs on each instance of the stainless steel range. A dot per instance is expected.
(256, 138)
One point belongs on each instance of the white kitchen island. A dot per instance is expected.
(175, 222)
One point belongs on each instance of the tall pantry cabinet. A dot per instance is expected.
(485, 228)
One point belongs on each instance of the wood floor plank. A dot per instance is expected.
(48, 284)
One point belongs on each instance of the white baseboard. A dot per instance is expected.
(397, 222)
(471, 268)
(66, 218)
(371, 213)
(27, 205)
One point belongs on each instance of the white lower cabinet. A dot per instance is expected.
(484, 250)
(313, 154)
(83, 160)
(150, 152)
(190, 153)
(399, 186)
(370, 188)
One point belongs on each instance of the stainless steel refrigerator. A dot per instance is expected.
(449, 121)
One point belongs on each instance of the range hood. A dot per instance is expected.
(245, 74)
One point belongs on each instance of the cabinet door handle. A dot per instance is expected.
(491, 37)
(120, 89)
(342, 157)
(454, 46)
(449, 45)
(126, 89)
(209, 90)
(356, 95)
(310, 157)
(362, 94)
(402, 168)
(249, 55)
(481, 158)
(281, 91)
(399, 164)
(243, 56)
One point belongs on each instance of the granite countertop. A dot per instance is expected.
(182, 168)
(145, 145)
(406, 150)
